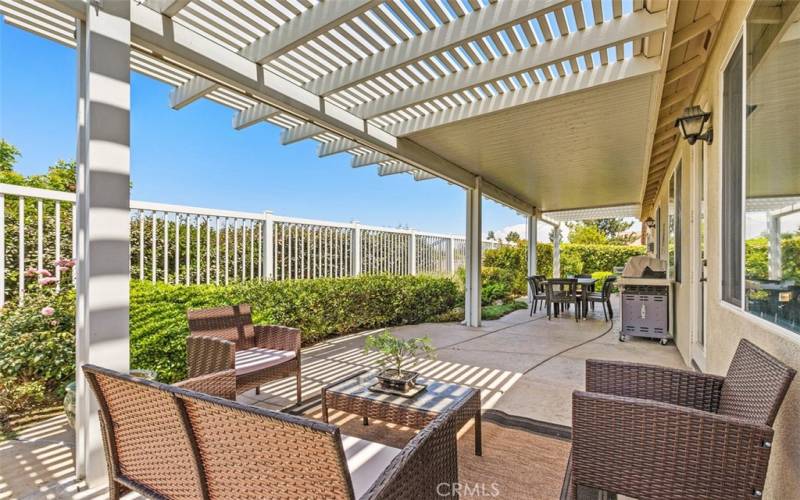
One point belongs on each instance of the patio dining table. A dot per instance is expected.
(584, 284)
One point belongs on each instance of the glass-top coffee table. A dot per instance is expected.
(353, 395)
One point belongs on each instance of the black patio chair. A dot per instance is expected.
(604, 297)
(560, 292)
(536, 283)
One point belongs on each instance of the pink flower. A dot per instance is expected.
(44, 273)
(48, 311)
(65, 262)
(64, 269)
(30, 272)
(47, 281)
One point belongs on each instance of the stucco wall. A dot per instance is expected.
(726, 325)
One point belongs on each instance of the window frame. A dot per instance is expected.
(739, 42)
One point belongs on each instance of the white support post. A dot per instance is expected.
(103, 226)
(355, 253)
(557, 251)
(412, 254)
(472, 304)
(533, 233)
(268, 246)
(775, 258)
(451, 256)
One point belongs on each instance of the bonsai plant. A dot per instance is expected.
(395, 351)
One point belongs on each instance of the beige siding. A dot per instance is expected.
(727, 325)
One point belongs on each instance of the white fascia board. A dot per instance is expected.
(635, 25)
(576, 82)
(300, 132)
(253, 115)
(490, 19)
(308, 25)
(192, 90)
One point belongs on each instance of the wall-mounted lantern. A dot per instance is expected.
(692, 123)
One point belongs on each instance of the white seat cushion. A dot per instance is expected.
(365, 461)
(257, 358)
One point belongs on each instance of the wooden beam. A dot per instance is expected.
(697, 28)
(370, 158)
(393, 169)
(661, 149)
(685, 69)
(609, 33)
(253, 115)
(192, 90)
(676, 98)
(338, 146)
(300, 132)
(308, 25)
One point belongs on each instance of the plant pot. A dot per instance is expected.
(391, 379)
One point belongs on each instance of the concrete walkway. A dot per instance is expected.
(525, 366)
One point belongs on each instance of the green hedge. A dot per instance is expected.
(319, 307)
(37, 351)
(575, 259)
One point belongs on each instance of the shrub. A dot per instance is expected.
(319, 307)
(575, 259)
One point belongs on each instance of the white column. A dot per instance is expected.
(451, 256)
(355, 254)
(472, 302)
(557, 251)
(103, 204)
(775, 258)
(412, 254)
(532, 230)
(268, 246)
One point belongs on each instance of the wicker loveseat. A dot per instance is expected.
(224, 338)
(172, 442)
(652, 432)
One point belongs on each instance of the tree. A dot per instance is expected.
(490, 236)
(8, 156)
(512, 237)
(601, 232)
(586, 234)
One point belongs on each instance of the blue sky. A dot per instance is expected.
(194, 156)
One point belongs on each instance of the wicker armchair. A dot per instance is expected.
(225, 338)
(651, 432)
(165, 441)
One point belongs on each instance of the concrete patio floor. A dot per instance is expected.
(525, 366)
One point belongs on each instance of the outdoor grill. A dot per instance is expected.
(646, 296)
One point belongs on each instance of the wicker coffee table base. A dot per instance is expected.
(400, 414)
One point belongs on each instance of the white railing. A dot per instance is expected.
(192, 245)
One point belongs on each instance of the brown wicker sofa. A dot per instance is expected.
(224, 338)
(172, 442)
(650, 432)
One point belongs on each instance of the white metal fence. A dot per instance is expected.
(192, 245)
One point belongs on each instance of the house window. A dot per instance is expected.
(732, 179)
(772, 173)
(674, 226)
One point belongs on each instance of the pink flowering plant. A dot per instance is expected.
(37, 339)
